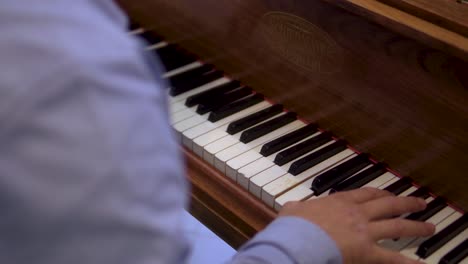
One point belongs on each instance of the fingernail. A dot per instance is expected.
(422, 202)
(431, 228)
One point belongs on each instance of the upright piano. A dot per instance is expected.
(280, 100)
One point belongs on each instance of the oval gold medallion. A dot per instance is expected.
(301, 43)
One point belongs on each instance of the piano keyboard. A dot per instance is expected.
(278, 158)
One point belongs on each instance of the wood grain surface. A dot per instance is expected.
(390, 81)
(450, 14)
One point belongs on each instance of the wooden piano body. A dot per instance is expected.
(389, 76)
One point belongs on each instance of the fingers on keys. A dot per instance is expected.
(362, 195)
(380, 207)
(398, 227)
(391, 206)
(383, 256)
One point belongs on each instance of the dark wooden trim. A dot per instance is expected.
(449, 14)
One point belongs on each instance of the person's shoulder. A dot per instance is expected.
(52, 42)
(58, 33)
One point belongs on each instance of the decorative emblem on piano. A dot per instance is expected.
(301, 43)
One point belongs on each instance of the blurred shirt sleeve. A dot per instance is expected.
(89, 169)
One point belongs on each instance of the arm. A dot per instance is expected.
(89, 170)
(289, 240)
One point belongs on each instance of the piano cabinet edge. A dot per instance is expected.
(221, 205)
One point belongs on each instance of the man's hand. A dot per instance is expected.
(357, 219)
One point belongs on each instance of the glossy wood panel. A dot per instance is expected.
(390, 83)
(450, 14)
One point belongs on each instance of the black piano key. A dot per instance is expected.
(187, 76)
(288, 139)
(316, 157)
(172, 57)
(326, 180)
(212, 94)
(267, 127)
(253, 119)
(235, 107)
(133, 26)
(151, 37)
(432, 208)
(185, 86)
(225, 99)
(190, 75)
(456, 255)
(438, 240)
(422, 192)
(400, 186)
(302, 148)
(360, 179)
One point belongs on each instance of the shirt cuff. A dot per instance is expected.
(292, 240)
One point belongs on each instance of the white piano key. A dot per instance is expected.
(408, 191)
(240, 161)
(221, 144)
(182, 115)
(176, 107)
(218, 145)
(200, 129)
(261, 179)
(202, 141)
(381, 180)
(410, 250)
(229, 153)
(187, 124)
(195, 120)
(157, 46)
(387, 179)
(266, 176)
(205, 87)
(199, 143)
(441, 215)
(182, 69)
(207, 126)
(235, 164)
(299, 193)
(390, 182)
(428, 200)
(190, 122)
(245, 173)
(211, 149)
(326, 193)
(404, 242)
(302, 191)
(438, 254)
(137, 31)
(287, 181)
